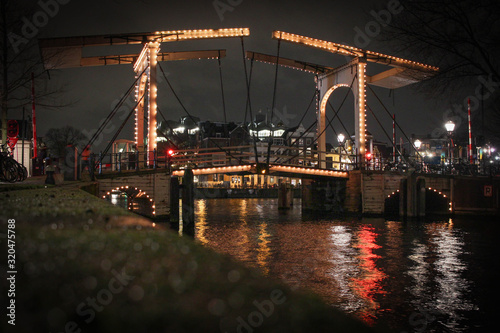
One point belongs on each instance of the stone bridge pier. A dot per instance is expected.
(155, 185)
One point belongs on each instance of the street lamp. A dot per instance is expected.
(450, 127)
(340, 138)
(418, 144)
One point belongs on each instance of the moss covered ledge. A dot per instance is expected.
(87, 266)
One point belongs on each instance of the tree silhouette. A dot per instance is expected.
(461, 37)
(57, 139)
(20, 59)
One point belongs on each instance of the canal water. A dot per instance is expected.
(429, 276)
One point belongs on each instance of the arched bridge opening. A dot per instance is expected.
(133, 199)
(391, 204)
(434, 202)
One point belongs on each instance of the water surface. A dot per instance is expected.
(428, 276)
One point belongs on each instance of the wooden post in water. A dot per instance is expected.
(411, 195)
(290, 193)
(285, 196)
(307, 194)
(174, 202)
(421, 197)
(188, 202)
(402, 197)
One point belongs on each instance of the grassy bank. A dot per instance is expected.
(86, 266)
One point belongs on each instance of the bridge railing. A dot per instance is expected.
(135, 161)
(124, 161)
(280, 155)
(214, 157)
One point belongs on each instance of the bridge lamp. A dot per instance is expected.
(417, 144)
(450, 127)
(262, 168)
(341, 138)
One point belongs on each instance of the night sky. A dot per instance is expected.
(93, 90)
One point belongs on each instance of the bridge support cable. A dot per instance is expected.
(248, 102)
(119, 129)
(300, 121)
(335, 132)
(322, 132)
(397, 124)
(222, 88)
(343, 126)
(383, 129)
(341, 122)
(248, 106)
(187, 112)
(329, 122)
(171, 129)
(271, 138)
(114, 111)
(297, 140)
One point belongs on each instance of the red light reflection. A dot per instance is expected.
(368, 284)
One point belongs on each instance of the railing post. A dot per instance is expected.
(119, 162)
(188, 202)
(137, 160)
(100, 163)
(92, 166)
(154, 158)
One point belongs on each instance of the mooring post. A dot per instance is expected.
(188, 202)
(421, 197)
(284, 197)
(174, 202)
(290, 193)
(307, 195)
(411, 195)
(402, 197)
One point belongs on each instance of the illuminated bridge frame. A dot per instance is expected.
(272, 168)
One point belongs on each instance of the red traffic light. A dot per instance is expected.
(12, 128)
(368, 156)
(170, 152)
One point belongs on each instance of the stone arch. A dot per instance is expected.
(155, 184)
(139, 201)
(437, 202)
(391, 204)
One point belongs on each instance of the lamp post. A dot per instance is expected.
(418, 144)
(341, 140)
(450, 127)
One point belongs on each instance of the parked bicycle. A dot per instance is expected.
(10, 170)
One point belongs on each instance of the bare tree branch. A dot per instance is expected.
(19, 60)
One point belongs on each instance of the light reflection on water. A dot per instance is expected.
(414, 276)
